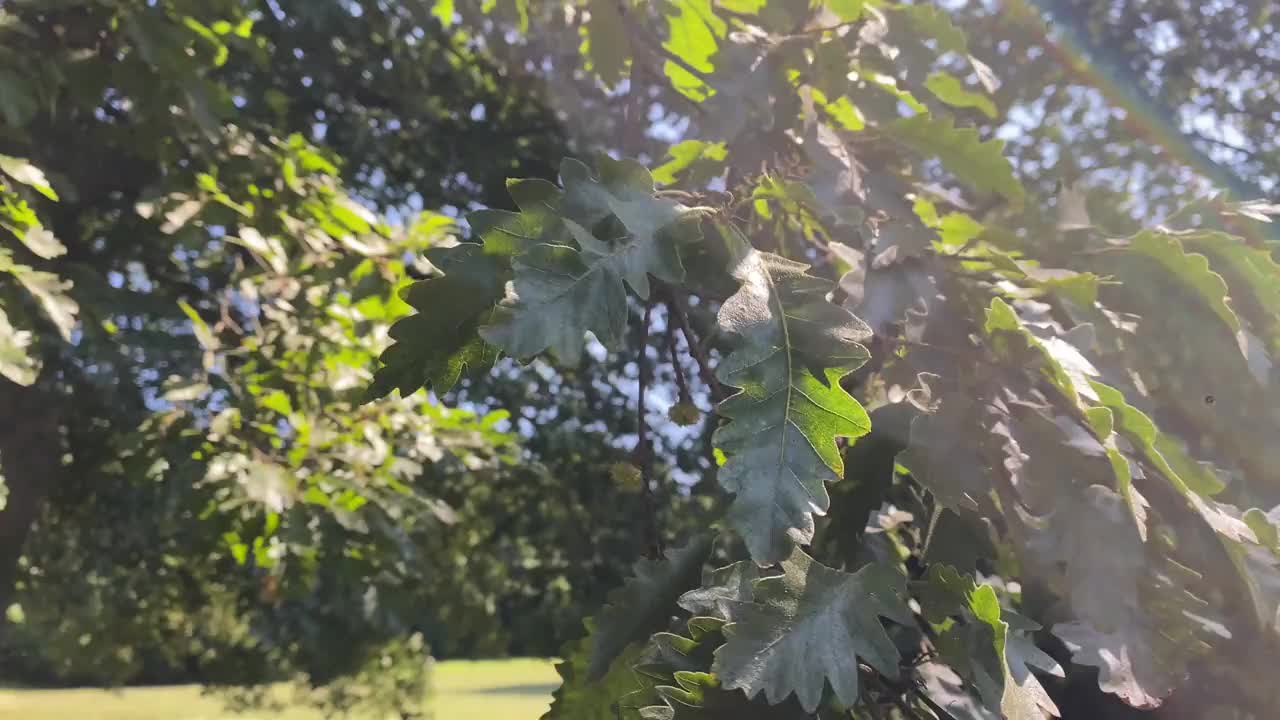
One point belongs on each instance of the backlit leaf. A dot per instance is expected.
(962, 152)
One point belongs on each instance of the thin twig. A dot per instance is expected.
(675, 308)
(964, 257)
(633, 132)
(935, 707)
(819, 30)
(1252, 155)
(666, 54)
(640, 31)
(904, 688)
(676, 368)
(644, 453)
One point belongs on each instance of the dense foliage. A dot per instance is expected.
(915, 356)
(977, 458)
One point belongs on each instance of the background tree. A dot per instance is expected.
(187, 327)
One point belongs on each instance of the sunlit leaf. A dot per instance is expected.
(963, 153)
(783, 424)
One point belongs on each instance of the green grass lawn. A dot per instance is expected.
(464, 690)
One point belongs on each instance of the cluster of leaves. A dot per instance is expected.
(41, 289)
(1065, 478)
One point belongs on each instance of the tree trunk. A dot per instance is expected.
(30, 459)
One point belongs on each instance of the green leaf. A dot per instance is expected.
(643, 604)
(442, 10)
(841, 110)
(353, 216)
(745, 7)
(220, 49)
(1259, 568)
(278, 401)
(204, 334)
(952, 92)
(693, 32)
(1165, 453)
(962, 152)
(42, 242)
(51, 292)
(437, 344)
(1098, 545)
(560, 292)
(697, 158)
(580, 698)
(794, 347)
(1253, 277)
(1263, 528)
(1192, 269)
(944, 592)
(943, 457)
(846, 10)
(745, 86)
(15, 363)
(507, 234)
(1091, 550)
(1057, 359)
(935, 23)
(721, 589)
(606, 43)
(654, 227)
(699, 696)
(517, 10)
(812, 625)
(27, 174)
(990, 654)
(835, 177)
(1128, 665)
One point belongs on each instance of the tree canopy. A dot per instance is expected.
(921, 357)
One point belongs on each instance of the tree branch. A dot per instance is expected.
(1225, 145)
